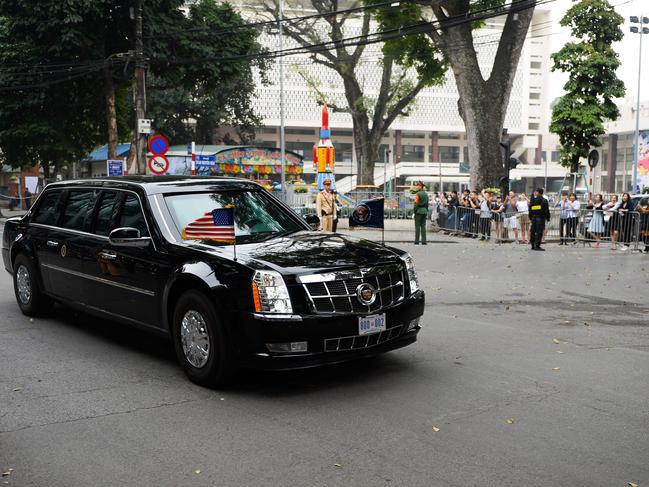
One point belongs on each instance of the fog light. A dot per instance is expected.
(413, 324)
(288, 347)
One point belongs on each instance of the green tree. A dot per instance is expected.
(591, 64)
(407, 65)
(49, 110)
(210, 94)
(483, 93)
(67, 73)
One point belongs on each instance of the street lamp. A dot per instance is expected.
(638, 30)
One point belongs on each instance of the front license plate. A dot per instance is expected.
(371, 324)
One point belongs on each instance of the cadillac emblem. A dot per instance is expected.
(366, 294)
(64, 250)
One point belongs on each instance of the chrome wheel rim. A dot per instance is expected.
(195, 339)
(24, 284)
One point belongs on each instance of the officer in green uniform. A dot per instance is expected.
(539, 214)
(421, 212)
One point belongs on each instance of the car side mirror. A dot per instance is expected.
(128, 237)
(313, 220)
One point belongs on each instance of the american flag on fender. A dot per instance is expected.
(216, 225)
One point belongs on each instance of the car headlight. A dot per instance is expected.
(412, 273)
(269, 293)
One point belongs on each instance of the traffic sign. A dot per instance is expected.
(158, 165)
(114, 167)
(158, 145)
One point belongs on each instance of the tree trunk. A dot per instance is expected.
(483, 103)
(483, 132)
(111, 112)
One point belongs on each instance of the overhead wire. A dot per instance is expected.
(371, 38)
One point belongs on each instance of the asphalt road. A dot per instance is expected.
(484, 398)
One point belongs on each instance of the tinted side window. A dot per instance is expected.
(48, 208)
(76, 209)
(106, 212)
(132, 215)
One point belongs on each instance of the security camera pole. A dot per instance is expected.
(638, 30)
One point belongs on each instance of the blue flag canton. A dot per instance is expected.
(223, 217)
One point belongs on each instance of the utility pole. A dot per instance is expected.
(282, 135)
(642, 20)
(140, 90)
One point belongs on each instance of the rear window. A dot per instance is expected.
(77, 208)
(48, 209)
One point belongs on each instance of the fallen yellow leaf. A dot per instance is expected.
(197, 471)
(557, 368)
(510, 420)
(435, 429)
(338, 465)
(632, 484)
(567, 322)
(222, 398)
(555, 340)
(17, 389)
(7, 472)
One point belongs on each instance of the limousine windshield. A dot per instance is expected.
(253, 214)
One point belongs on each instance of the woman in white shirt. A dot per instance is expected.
(573, 218)
(523, 207)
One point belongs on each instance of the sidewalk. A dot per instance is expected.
(398, 236)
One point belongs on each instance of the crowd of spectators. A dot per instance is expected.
(486, 216)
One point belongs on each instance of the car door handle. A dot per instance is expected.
(52, 243)
(108, 255)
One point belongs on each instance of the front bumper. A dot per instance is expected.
(330, 338)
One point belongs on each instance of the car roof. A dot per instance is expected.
(161, 184)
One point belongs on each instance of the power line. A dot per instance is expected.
(287, 20)
(367, 39)
(372, 38)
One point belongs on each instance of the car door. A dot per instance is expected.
(43, 222)
(128, 281)
(69, 241)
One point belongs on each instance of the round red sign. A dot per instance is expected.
(158, 145)
(158, 164)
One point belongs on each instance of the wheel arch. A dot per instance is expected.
(199, 276)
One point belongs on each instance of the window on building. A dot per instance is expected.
(535, 96)
(341, 133)
(449, 135)
(413, 135)
(555, 156)
(265, 143)
(536, 65)
(412, 153)
(533, 126)
(293, 131)
(305, 149)
(344, 152)
(383, 153)
(449, 153)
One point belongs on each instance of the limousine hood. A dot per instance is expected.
(309, 252)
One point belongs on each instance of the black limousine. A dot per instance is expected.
(157, 252)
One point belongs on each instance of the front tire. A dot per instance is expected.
(200, 340)
(31, 300)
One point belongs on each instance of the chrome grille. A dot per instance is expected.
(336, 292)
(361, 341)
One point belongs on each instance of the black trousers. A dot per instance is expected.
(536, 234)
